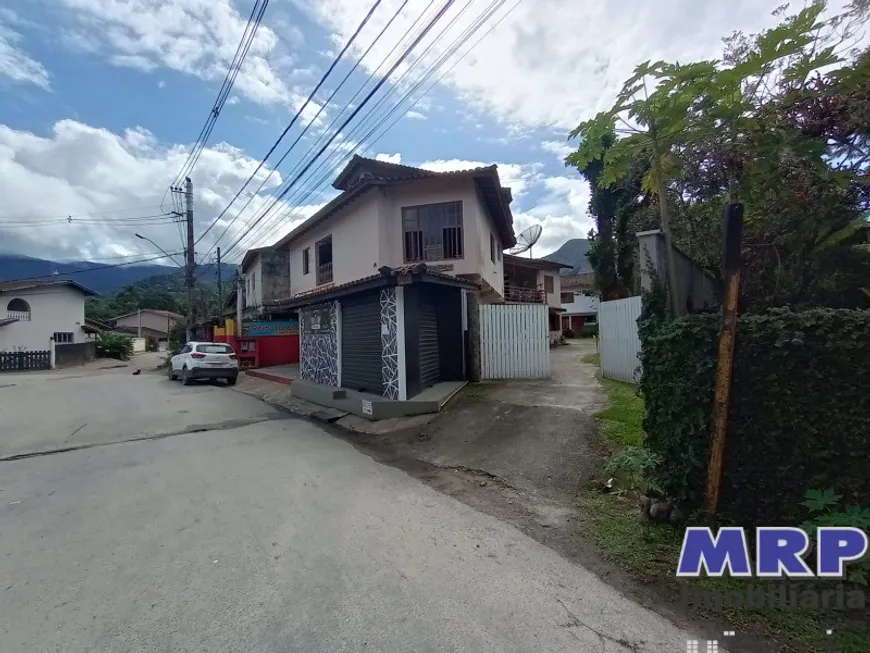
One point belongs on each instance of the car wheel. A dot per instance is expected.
(231, 380)
(169, 373)
(185, 376)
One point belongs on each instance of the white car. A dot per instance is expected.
(204, 360)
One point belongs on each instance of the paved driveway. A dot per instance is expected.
(251, 531)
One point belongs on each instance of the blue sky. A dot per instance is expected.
(101, 99)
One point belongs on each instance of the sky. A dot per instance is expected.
(101, 100)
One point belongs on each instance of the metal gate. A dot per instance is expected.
(361, 344)
(430, 363)
(514, 341)
(25, 361)
(618, 339)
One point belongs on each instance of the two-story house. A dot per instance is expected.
(265, 275)
(34, 315)
(380, 275)
(535, 280)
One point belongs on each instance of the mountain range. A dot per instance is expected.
(104, 278)
(574, 253)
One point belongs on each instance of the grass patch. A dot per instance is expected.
(593, 359)
(650, 551)
(622, 421)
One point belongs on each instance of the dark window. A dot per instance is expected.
(499, 251)
(63, 337)
(432, 232)
(215, 349)
(548, 283)
(306, 260)
(591, 319)
(19, 309)
(567, 297)
(492, 247)
(323, 260)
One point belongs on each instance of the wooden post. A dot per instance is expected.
(733, 232)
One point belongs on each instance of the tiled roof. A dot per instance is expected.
(419, 268)
(12, 286)
(382, 173)
(169, 314)
(536, 263)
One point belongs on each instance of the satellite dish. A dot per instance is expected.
(526, 239)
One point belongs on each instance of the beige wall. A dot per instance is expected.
(553, 298)
(150, 320)
(253, 279)
(367, 234)
(52, 309)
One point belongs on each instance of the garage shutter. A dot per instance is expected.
(361, 344)
(430, 372)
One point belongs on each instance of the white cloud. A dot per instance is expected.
(560, 204)
(389, 158)
(15, 64)
(559, 148)
(80, 170)
(190, 36)
(415, 115)
(557, 62)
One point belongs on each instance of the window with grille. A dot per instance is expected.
(306, 257)
(432, 232)
(63, 337)
(548, 283)
(567, 297)
(492, 247)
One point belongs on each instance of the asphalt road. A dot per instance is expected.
(259, 533)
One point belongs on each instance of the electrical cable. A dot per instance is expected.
(294, 119)
(356, 111)
(311, 122)
(457, 43)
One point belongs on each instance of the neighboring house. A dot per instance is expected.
(148, 322)
(581, 310)
(536, 281)
(380, 275)
(265, 277)
(33, 313)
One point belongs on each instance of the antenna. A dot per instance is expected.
(526, 239)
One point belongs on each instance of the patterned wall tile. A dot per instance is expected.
(389, 343)
(318, 360)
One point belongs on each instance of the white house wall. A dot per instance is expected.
(254, 272)
(582, 305)
(355, 245)
(367, 234)
(554, 298)
(52, 309)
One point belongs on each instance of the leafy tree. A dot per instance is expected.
(780, 124)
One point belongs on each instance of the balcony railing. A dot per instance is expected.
(525, 295)
(21, 316)
(324, 273)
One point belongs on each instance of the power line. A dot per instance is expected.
(254, 20)
(372, 76)
(292, 122)
(311, 122)
(353, 114)
(165, 218)
(290, 212)
(340, 155)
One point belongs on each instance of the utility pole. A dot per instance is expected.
(191, 261)
(239, 298)
(139, 334)
(220, 290)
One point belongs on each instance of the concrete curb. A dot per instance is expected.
(269, 377)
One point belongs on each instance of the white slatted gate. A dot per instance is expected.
(514, 341)
(618, 339)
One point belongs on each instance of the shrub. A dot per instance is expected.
(826, 510)
(152, 344)
(114, 345)
(799, 413)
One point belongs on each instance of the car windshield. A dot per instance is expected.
(214, 349)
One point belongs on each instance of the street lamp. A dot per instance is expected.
(162, 251)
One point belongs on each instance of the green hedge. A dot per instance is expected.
(799, 416)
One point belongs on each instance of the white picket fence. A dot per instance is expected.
(619, 343)
(514, 341)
